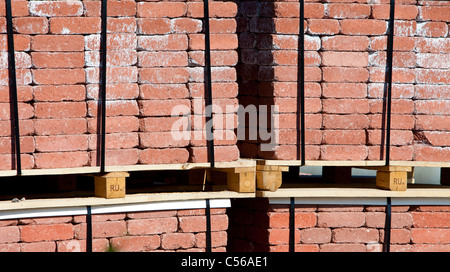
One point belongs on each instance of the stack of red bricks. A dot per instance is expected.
(155, 64)
(345, 62)
(258, 226)
(171, 230)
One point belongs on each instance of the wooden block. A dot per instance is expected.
(268, 180)
(394, 181)
(242, 182)
(111, 185)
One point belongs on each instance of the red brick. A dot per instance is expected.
(399, 121)
(217, 41)
(26, 127)
(357, 11)
(135, 243)
(399, 75)
(434, 13)
(31, 25)
(351, 137)
(345, 106)
(218, 239)
(61, 143)
(75, 25)
(59, 93)
(21, 42)
(401, 43)
(161, 9)
(57, 43)
(9, 234)
(160, 140)
(363, 27)
(218, 58)
(113, 58)
(399, 106)
(315, 235)
(35, 233)
(405, 12)
(60, 126)
(163, 156)
(168, 42)
(115, 41)
(432, 45)
(437, 138)
(163, 75)
(430, 219)
(177, 240)
(163, 59)
(433, 76)
(116, 141)
(323, 26)
(400, 59)
(432, 61)
(163, 91)
(432, 29)
(345, 43)
(5, 161)
(398, 137)
(24, 94)
(350, 59)
(61, 159)
(26, 144)
(429, 122)
(343, 152)
(60, 109)
(25, 111)
(114, 91)
(115, 124)
(115, 108)
(20, 8)
(185, 25)
(152, 226)
(117, 25)
(98, 245)
(151, 214)
(218, 74)
(355, 235)
(430, 236)
(154, 26)
(38, 247)
(56, 9)
(58, 76)
(432, 107)
(403, 91)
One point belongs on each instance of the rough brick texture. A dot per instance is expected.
(256, 225)
(345, 62)
(155, 60)
(173, 230)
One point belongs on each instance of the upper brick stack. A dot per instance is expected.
(155, 60)
(345, 62)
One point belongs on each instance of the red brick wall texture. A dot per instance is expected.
(172, 230)
(262, 227)
(155, 62)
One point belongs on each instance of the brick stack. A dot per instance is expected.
(345, 61)
(155, 60)
(258, 226)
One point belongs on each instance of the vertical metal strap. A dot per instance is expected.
(208, 226)
(390, 49)
(292, 225)
(103, 83)
(13, 86)
(387, 227)
(301, 85)
(89, 229)
(208, 86)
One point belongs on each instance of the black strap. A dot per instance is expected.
(387, 227)
(292, 225)
(88, 229)
(301, 87)
(103, 83)
(13, 86)
(388, 76)
(208, 87)
(208, 226)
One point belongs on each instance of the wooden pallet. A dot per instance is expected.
(394, 177)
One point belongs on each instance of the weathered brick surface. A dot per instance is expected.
(345, 43)
(256, 225)
(155, 59)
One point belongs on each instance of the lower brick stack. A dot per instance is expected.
(173, 230)
(262, 227)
